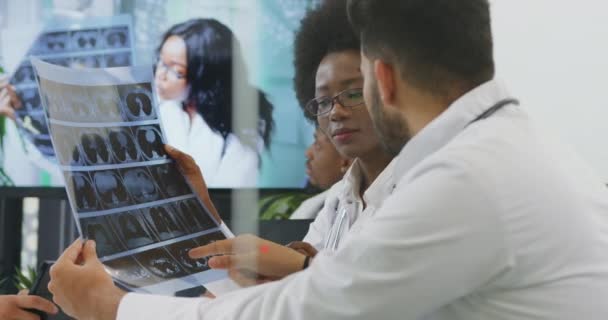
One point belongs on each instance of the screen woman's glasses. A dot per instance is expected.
(171, 72)
(322, 106)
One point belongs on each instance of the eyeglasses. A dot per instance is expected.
(323, 105)
(176, 75)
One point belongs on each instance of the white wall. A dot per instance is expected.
(553, 54)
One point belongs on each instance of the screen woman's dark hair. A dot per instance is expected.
(435, 42)
(212, 52)
(323, 30)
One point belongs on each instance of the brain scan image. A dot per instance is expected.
(164, 224)
(193, 216)
(132, 229)
(179, 251)
(83, 191)
(130, 272)
(209, 238)
(31, 100)
(140, 185)
(160, 263)
(169, 180)
(150, 142)
(116, 38)
(123, 145)
(94, 148)
(138, 104)
(25, 74)
(118, 59)
(111, 189)
(85, 40)
(98, 229)
(55, 42)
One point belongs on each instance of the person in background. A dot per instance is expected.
(13, 307)
(324, 167)
(194, 81)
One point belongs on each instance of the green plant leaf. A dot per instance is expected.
(24, 279)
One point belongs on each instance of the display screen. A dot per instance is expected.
(244, 131)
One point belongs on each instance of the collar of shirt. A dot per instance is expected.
(448, 125)
(377, 190)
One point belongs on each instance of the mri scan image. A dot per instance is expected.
(31, 100)
(170, 180)
(116, 38)
(95, 149)
(160, 263)
(82, 189)
(110, 188)
(53, 42)
(209, 238)
(163, 222)
(85, 40)
(149, 139)
(117, 59)
(132, 229)
(24, 75)
(193, 216)
(130, 272)
(137, 102)
(179, 251)
(98, 229)
(140, 185)
(123, 145)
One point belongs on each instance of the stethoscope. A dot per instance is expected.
(336, 230)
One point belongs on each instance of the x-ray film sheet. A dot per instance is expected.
(91, 43)
(125, 191)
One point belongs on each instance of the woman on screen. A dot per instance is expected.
(203, 87)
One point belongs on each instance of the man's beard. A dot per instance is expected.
(392, 130)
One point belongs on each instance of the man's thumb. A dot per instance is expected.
(88, 253)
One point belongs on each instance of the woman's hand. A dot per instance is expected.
(251, 260)
(193, 173)
(9, 101)
(13, 307)
(304, 248)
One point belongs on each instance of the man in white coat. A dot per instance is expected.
(489, 217)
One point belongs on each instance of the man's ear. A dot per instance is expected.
(385, 77)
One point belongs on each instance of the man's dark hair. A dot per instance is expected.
(435, 42)
(323, 30)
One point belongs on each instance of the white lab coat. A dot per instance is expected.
(328, 229)
(310, 208)
(495, 220)
(237, 167)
